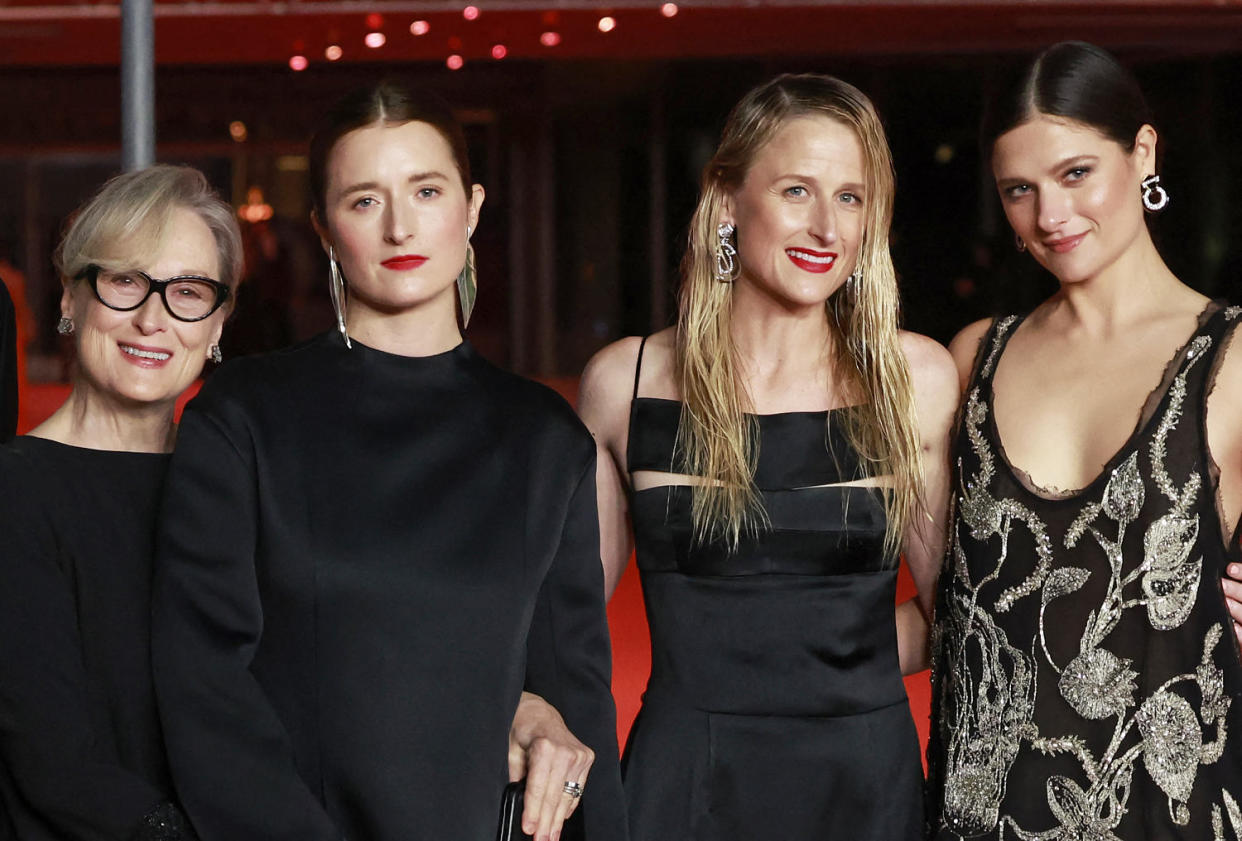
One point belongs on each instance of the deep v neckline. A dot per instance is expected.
(1148, 411)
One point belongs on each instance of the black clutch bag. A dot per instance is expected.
(511, 813)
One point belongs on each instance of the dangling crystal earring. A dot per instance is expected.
(65, 326)
(725, 252)
(216, 356)
(336, 289)
(467, 283)
(1155, 197)
(1019, 243)
(852, 283)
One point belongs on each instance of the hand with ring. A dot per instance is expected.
(554, 763)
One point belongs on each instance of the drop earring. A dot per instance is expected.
(1155, 197)
(336, 289)
(726, 268)
(65, 326)
(467, 283)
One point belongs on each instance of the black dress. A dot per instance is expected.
(8, 365)
(1086, 674)
(775, 707)
(358, 553)
(80, 745)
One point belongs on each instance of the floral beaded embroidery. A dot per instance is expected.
(988, 684)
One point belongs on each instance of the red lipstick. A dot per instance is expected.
(404, 263)
(810, 260)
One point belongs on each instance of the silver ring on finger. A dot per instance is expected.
(572, 788)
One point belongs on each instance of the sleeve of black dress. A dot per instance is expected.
(231, 758)
(53, 747)
(569, 662)
(8, 365)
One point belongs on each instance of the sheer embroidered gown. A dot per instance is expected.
(1086, 674)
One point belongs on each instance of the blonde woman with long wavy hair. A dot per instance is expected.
(775, 452)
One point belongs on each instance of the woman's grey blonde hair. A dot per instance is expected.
(127, 220)
(717, 437)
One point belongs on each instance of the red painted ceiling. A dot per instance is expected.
(42, 33)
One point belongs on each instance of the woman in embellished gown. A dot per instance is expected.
(774, 451)
(373, 541)
(1086, 672)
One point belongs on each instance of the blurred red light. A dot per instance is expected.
(470, 12)
(550, 39)
(499, 51)
(420, 27)
(298, 62)
(454, 62)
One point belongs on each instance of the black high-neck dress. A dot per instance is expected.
(775, 707)
(1086, 677)
(363, 559)
(81, 756)
(8, 365)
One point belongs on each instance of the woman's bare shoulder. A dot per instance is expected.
(607, 384)
(965, 348)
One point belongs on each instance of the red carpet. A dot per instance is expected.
(631, 644)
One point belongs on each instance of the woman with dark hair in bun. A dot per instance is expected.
(374, 541)
(1086, 668)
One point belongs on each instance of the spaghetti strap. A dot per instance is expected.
(638, 365)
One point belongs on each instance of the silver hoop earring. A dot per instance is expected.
(726, 268)
(216, 356)
(467, 285)
(336, 289)
(1155, 197)
(65, 326)
(1019, 243)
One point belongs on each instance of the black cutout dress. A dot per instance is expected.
(775, 707)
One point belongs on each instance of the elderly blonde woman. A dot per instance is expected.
(775, 451)
(149, 266)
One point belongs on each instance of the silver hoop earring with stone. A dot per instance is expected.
(1155, 197)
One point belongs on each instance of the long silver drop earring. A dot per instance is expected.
(726, 267)
(467, 283)
(1019, 243)
(336, 289)
(1155, 197)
